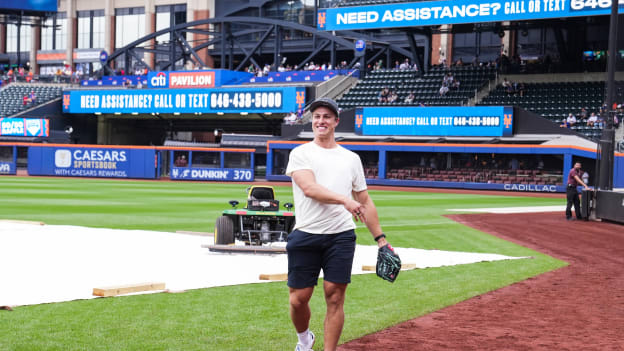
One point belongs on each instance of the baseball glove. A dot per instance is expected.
(388, 263)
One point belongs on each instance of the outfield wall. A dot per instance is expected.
(389, 159)
(137, 162)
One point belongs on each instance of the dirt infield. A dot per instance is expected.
(578, 307)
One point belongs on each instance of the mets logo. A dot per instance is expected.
(358, 120)
(321, 19)
(66, 99)
(300, 99)
(508, 120)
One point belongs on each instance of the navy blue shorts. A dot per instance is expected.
(309, 253)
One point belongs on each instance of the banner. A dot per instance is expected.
(92, 162)
(196, 78)
(30, 5)
(222, 174)
(435, 121)
(431, 13)
(231, 100)
(8, 168)
(28, 127)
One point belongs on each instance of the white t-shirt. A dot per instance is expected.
(338, 170)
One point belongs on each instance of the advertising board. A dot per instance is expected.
(104, 162)
(435, 121)
(220, 174)
(30, 5)
(28, 127)
(431, 13)
(251, 100)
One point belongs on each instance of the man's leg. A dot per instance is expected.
(299, 308)
(334, 319)
(570, 201)
(577, 205)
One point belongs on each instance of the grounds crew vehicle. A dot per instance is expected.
(261, 222)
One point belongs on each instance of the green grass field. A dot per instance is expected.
(255, 316)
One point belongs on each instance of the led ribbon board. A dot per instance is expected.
(494, 121)
(230, 100)
(27, 127)
(29, 5)
(430, 13)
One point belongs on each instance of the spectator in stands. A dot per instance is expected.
(600, 123)
(443, 90)
(384, 94)
(571, 120)
(508, 86)
(32, 97)
(475, 61)
(513, 164)
(459, 62)
(57, 75)
(139, 84)
(433, 163)
(10, 74)
(591, 121)
(393, 96)
(25, 100)
(448, 79)
(519, 88)
(405, 65)
(397, 65)
(29, 76)
(291, 118)
(564, 124)
(583, 115)
(409, 99)
(379, 65)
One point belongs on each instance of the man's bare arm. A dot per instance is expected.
(306, 181)
(370, 216)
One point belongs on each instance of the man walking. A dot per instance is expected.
(329, 189)
(574, 180)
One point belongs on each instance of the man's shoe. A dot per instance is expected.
(571, 219)
(300, 347)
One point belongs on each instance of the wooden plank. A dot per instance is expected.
(17, 221)
(246, 249)
(274, 277)
(404, 267)
(194, 233)
(127, 289)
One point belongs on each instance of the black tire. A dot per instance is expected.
(224, 231)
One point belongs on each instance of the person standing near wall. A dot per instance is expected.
(572, 196)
